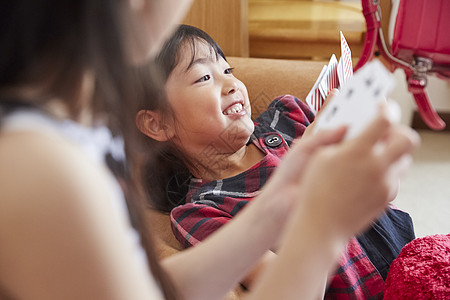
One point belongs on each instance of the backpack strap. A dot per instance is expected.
(371, 13)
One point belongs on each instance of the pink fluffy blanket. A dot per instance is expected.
(422, 270)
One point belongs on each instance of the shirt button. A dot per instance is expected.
(273, 140)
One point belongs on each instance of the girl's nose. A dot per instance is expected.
(230, 86)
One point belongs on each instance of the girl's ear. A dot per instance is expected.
(150, 123)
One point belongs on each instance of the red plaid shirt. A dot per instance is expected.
(211, 204)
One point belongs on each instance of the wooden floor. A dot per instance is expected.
(304, 29)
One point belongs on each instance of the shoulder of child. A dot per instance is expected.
(283, 100)
(291, 108)
(287, 103)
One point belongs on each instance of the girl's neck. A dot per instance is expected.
(221, 166)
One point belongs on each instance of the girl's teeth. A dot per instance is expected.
(234, 109)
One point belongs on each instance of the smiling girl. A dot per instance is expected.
(223, 159)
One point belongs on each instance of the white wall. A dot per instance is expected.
(439, 93)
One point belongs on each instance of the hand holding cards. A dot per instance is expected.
(358, 102)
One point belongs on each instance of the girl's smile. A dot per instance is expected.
(235, 110)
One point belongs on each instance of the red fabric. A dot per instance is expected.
(422, 270)
(356, 276)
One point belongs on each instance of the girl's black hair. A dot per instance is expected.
(167, 176)
(49, 46)
(169, 56)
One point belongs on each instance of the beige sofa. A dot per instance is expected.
(265, 79)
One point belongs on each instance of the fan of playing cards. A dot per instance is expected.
(359, 96)
(332, 76)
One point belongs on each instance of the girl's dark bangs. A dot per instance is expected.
(213, 47)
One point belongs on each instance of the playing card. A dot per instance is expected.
(357, 103)
(346, 67)
(340, 71)
(330, 79)
(314, 98)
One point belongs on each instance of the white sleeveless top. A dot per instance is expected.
(95, 142)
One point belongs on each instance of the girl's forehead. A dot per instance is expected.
(194, 51)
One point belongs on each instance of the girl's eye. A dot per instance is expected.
(204, 78)
(228, 71)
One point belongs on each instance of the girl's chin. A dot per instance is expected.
(244, 125)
